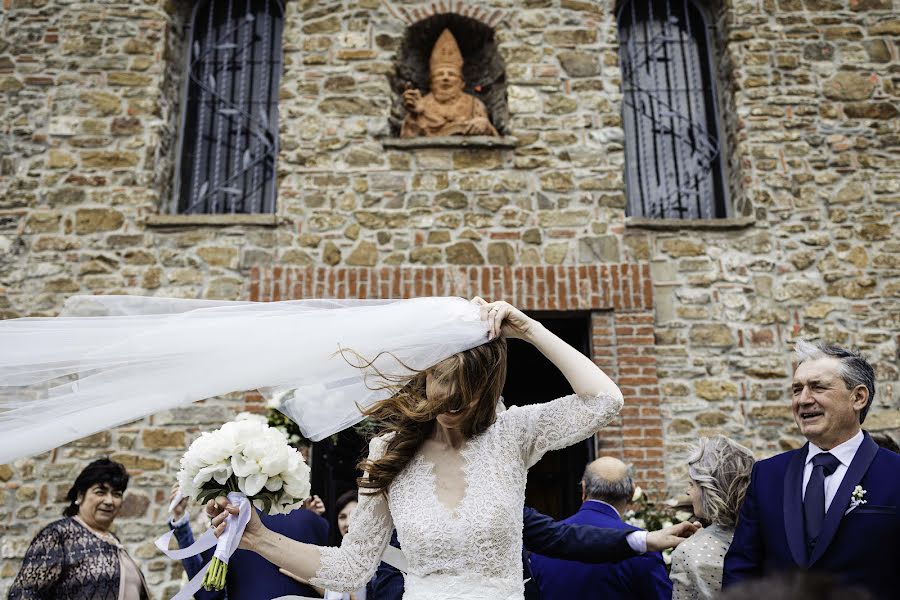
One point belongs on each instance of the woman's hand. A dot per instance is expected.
(219, 509)
(178, 509)
(505, 319)
(315, 505)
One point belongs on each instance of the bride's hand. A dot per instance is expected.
(219, 509)
(505, 319)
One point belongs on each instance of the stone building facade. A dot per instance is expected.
(695, 319)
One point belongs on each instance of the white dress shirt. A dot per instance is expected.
(844, 453)
(637, 540)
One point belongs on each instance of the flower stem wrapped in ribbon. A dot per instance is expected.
(250, 463)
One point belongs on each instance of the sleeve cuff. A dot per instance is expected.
(185, 518)
(637, 541)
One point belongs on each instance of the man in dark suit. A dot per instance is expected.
(833, 505)
(607, 488)
(541, 533)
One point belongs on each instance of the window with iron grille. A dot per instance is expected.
(673, 151)
(229, 138)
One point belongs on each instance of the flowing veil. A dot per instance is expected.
(108, 360)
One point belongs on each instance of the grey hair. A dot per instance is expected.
(613, 492)
(721, 469)
(855, 369)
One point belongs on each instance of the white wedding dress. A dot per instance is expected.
(473, 553)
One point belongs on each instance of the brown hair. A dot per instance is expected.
(473, 380)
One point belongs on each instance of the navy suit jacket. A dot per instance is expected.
(540, 533)
(860, 547)
(639, 577)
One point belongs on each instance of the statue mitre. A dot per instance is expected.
(446, 53)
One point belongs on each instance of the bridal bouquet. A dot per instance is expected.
(250, 463)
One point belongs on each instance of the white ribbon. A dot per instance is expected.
(225, 545)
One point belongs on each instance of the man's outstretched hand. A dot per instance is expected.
(670, 536)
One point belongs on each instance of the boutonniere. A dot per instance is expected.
(856, 498)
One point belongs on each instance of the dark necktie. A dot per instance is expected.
(824, 465)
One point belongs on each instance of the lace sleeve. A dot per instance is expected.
(41, 568)
(539, 428)
(350, 566)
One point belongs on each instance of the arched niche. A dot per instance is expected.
(483, 70)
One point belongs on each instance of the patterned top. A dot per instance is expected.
(697, 563)
(477, 546)
(66, 561)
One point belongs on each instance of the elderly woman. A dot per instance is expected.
(77, 557)
(720, 473)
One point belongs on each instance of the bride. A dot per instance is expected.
(448, 472)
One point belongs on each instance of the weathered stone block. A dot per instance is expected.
(871, 110)
(563, 218)
(426, 255)
(162, 438)
(679, 247)
(138, 462)
(58, 159)
(715, 389)
(104, 159)
(66, 196)
(452, 200)
(350, 106)
(219, 256)
(92, 220)
(364, 255)
(477, 159)
(711, 335)
(555, 254)
(850, 85)
(224, 288)
(295, 256)
(579, 64)
(104, 103)
(557, 181)
(598, 249)
(128, 79)
(711, 419)
(501, 253)
(464, 253)
(331, 255)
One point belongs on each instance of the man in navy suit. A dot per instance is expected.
(607, 488)
(834, 504)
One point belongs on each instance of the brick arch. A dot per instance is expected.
(619, 297)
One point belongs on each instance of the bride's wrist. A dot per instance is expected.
(532, 331)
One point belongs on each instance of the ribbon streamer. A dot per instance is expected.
(225, 545)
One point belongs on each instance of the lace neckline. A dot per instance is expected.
(109, 538)
(429, 469)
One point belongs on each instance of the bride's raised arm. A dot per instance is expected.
(562, 422)
(342, 569)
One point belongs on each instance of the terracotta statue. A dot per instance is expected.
(446, 109)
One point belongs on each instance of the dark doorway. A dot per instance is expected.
(553, 483)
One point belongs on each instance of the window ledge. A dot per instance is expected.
(451, 141)
(708, 224)
(210, 220)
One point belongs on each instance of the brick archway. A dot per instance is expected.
(619, 296)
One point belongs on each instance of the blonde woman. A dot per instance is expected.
(719, 470)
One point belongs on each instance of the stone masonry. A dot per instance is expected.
(699, 331)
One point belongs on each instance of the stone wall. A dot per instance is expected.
(90, 100)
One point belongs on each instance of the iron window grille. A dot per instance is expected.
(673, 151)
(229, 135)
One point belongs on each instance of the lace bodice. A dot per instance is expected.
(475, 550)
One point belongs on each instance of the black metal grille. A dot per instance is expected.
(673, 154)
(229, 139)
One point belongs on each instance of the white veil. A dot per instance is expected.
(108, 360)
